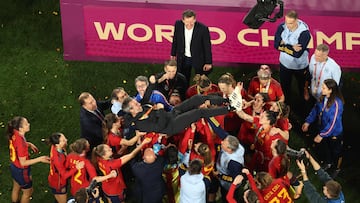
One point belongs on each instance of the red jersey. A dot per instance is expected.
(194, 90)
(263, 154)
(58, 173)
(248, 130)
(18, 147)
(277, 191)
(273, 88)
(275, 169)
(283, 124)
(114, 141)
(82, 178)
(112, 186)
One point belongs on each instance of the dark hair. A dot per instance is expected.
(271, 116)
(195, 167)
(265, 96)
(14, 124)
(280, 148)
(252, 197)
(335, 92)
(171, 155)
(188, 14)
(107, 124)
(54, 138)
(81, 196)
(205, 152)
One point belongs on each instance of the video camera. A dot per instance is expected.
(298, 154)
(262, 11)
(91, 188)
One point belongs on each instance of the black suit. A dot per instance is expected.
(200, 48)
(91, 124)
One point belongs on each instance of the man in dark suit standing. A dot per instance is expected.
(191, 46)
(91, 118)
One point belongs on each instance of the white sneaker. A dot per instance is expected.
(235, 99)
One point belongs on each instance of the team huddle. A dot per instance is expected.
(176, 142)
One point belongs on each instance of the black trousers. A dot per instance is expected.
(188, 112)
(186, 68)
(301, 76)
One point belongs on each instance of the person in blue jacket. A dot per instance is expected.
(328, 114)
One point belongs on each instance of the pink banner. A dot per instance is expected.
(131, 32)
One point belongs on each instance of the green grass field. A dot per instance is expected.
(35, 82)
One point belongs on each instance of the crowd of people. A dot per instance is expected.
(176, 142)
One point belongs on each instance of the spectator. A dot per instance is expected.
(20, 161)
(291, 39)
(331, 190)
(91, 118)
(191, 46)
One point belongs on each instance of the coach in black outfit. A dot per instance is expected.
(191, 45)
(91, 118)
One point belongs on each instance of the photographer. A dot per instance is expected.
(83, 196)
(331, 190)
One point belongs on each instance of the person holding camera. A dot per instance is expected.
(331, 190)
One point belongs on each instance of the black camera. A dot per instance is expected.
(91, 188)
(261, 13)
(298, 154)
